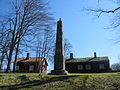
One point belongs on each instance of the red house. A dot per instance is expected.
(31, 65)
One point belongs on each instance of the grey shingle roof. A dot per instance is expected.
(89, 59)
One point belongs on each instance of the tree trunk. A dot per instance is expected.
(9, 59)
(17, 49)
(1, 60)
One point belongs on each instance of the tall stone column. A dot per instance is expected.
(59, 59)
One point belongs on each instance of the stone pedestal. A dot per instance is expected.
(59, 72)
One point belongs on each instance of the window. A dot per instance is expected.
(80, 67)
(17, 68)
(101, 66)
(88, 67)
(31, 68)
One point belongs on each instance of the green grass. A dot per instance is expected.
(73, 81)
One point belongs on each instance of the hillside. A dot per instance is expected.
(96, 81)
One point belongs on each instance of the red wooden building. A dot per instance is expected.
(31, 64)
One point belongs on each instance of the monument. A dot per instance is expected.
(59, 59)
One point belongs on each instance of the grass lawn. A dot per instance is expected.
(73, 81)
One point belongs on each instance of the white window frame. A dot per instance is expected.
(88, 67)
(80, 67)
(17, 68)
(101, 66)
(31, 67)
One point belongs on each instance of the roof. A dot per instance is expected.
(89, 59)
(32, 59)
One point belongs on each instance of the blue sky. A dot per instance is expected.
(84, 31)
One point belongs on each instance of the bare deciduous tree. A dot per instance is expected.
(116, 11)
(23, 23)
(68, 47)
(4, 44)
(115, 67)
(46, 44)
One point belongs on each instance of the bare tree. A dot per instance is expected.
(1, 60)
(4, 44)
(115, 67)
(68, 47)
(116, 11)
(44, 44)
(23, 23)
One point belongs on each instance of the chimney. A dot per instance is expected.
(27, 57)
(71, 55)
(95, 55)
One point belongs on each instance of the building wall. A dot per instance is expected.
(37, 67)
(73, 67)
(24, 67)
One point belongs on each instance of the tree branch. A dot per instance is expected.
(100, 11)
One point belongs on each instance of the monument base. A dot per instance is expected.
(58, 72)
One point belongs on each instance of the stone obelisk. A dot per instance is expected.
(59, 59)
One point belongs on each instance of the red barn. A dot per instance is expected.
(31, 65)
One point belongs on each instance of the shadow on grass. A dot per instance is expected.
(29, 84)
(84, 83)
(23, 78)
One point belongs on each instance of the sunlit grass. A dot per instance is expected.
(92, 73)
(73, 81)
